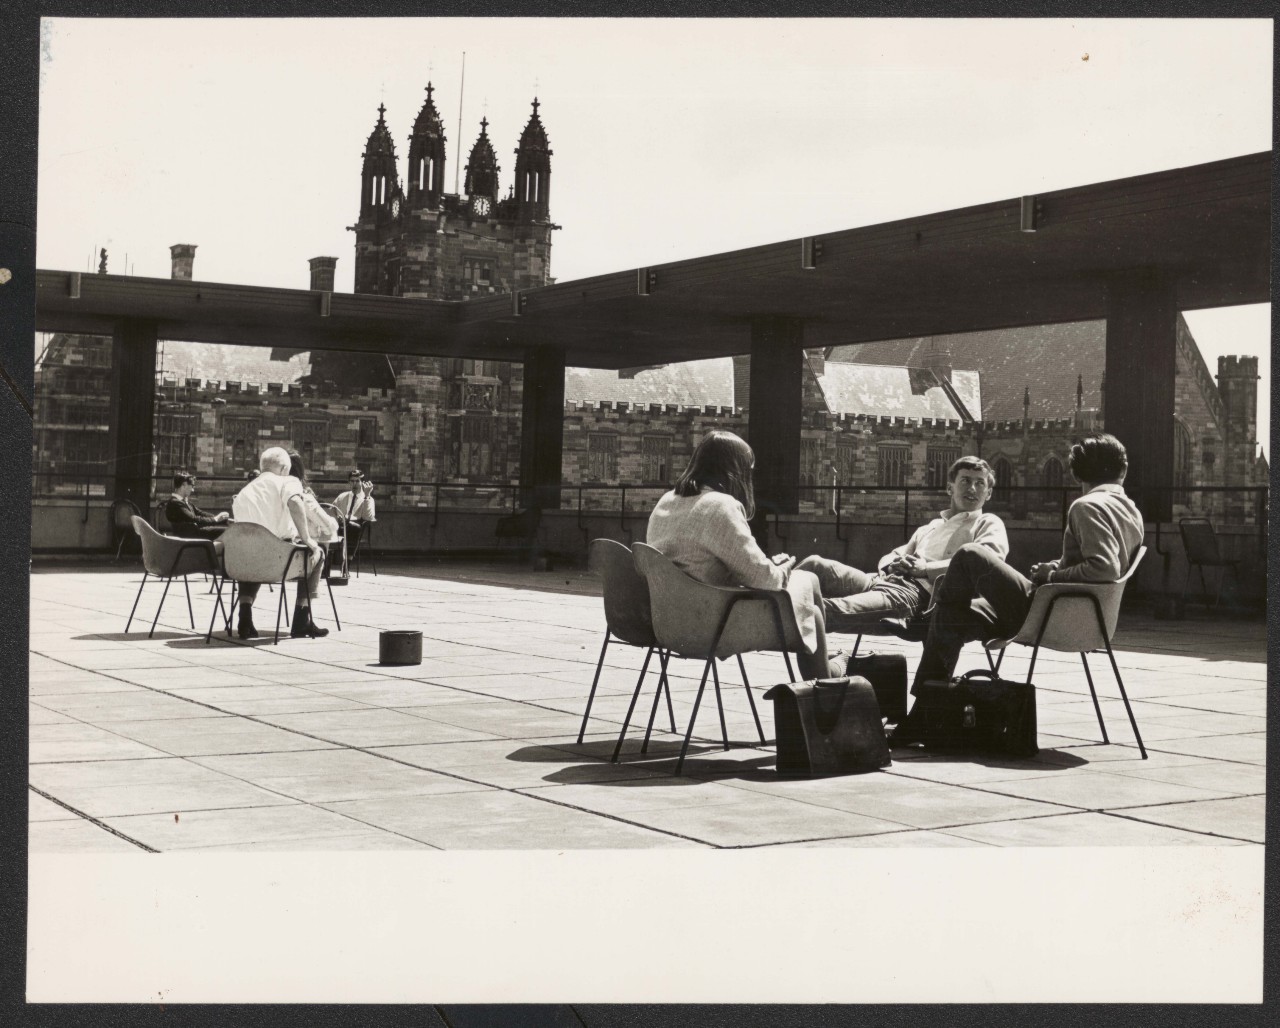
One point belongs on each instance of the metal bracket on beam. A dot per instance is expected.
(810, 252)
(518, 302)
(1030, 214)
(73, 285)
(326, 303)
(646, 279)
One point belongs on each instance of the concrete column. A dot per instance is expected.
(542, 427)
(775, 411)
(1142, 322)
(133, 386)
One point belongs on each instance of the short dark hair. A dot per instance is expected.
(181, 478)
(972, 464)
(355, 473)
(1099, 458)
(723, 462)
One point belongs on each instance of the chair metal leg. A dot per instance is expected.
(751, 699)
(1124, 696)
(333, 603)
(594, 682)
(231, 606)
(163, 595)
(995, 668)
(724, 731)
(280, 608)
(635, 695)
(135, 602)
(693, 718)
(856, 643)
(665, 684)
(190, 613)
(213, 614)
(653, 710)
(1094, 693)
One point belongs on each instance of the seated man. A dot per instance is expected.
(185, 518)
(1104, 531)
(356, 507)
(853, 600)
(274, 500)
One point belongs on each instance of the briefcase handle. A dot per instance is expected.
(981, 672)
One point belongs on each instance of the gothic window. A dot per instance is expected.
(473, 445)
(176, 441)
(1004, 479)
(602, 457)
(1181, 463)
(655, 458)
(893, 463)
(846, 467)
(240, 442)
(938, 462)
(1051, 473)
(311, 440)
(809, 462)
(368, 433)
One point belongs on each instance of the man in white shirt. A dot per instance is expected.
(274, 500)
(902, 586)
(356, 507)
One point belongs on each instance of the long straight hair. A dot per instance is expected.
(723, 462)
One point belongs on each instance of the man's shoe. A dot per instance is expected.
(913, 630)
(304, 627)
(244, 628)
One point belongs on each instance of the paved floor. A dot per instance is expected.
(167, 743)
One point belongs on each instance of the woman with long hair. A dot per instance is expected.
(702, 527)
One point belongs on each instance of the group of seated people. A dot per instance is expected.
(948, 585)
(279, 497)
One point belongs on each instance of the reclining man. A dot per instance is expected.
(356, 506)
(854, 600)
(275, 500)
(1104, 531)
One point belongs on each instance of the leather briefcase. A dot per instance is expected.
(887, 673)
(828, 726)
(978, 712)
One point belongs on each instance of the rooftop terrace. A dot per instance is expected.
(167, 743)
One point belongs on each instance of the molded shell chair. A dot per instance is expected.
(704, 622)
(628, 619)
(250, 553)
(168, 557)
(1076, 617)
(1200, 544)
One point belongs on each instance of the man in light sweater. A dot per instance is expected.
(1104, 531)
(853, 600)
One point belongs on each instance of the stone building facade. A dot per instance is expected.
(879, 418)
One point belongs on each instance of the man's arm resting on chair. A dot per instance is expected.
(298, 511)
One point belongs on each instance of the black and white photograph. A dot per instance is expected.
(715, 481)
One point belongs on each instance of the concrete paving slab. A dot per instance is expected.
(1248, 749)
(375, 727)
(201, 828)
(196, 736)
(1080, 829)
(41, 809)
(57, 743)
(1242, 817)
(78, 836)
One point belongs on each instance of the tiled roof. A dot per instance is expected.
(252, 365)
(880, 391)
(1044, 358)
(693, 383)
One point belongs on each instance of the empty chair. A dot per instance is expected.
(250, 553)
(343, 576)
(627, 619)
(167, 557)
(122, 513)
(704, 622)
(1200, 544)
(364, 548)
(1075, 617)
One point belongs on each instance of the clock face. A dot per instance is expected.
(395, 206)
(480, 205)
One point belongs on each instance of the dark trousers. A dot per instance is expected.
(980, 597)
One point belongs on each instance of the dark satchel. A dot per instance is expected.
(887, 673)
(978, 712)
(828, 726)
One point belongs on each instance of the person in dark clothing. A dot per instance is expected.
(185, 518)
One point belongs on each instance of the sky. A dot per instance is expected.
(671, 139)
